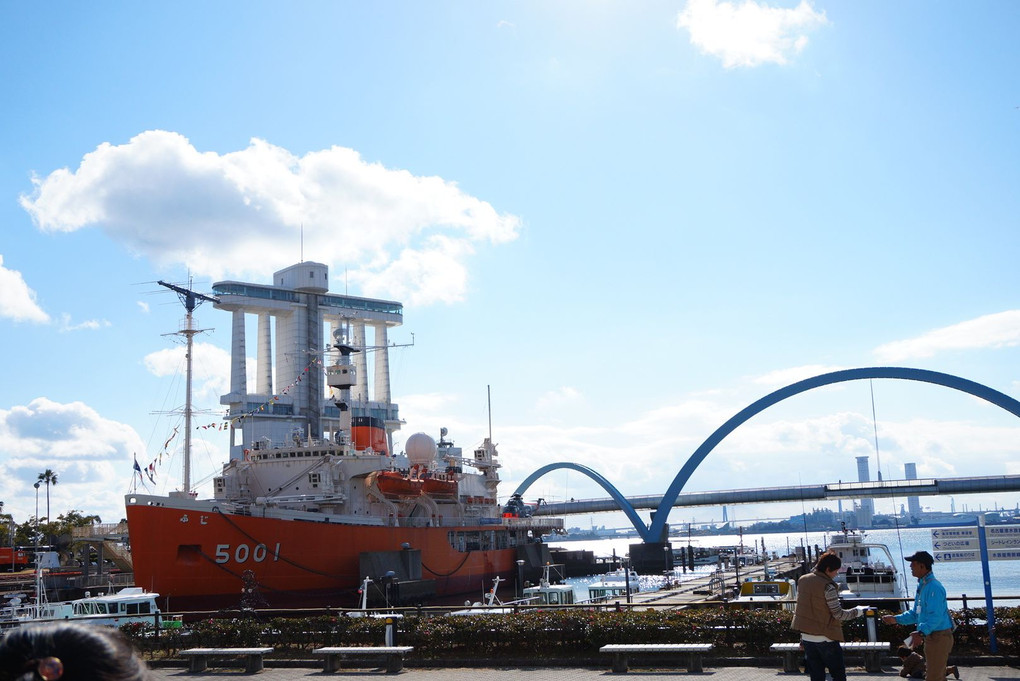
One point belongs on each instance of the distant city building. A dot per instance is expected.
(867, 506)
(913, 503)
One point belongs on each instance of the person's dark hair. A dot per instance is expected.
(828, 561)
(69, 651)
(903, 652)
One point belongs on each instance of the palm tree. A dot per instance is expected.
(49, 478)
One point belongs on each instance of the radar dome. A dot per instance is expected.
(420, 449)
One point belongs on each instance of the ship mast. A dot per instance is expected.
(190, 300)
(341, 376)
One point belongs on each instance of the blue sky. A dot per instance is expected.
(630, 220)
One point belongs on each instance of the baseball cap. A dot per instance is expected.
(922, 557)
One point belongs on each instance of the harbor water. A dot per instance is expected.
(959, 578)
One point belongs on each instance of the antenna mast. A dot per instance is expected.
(190, 300)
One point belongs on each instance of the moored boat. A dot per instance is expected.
(130, 604)
(548, 592)
(868, 575)
(767, 594)
(305, 517)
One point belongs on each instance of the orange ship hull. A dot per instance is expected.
(195, 559)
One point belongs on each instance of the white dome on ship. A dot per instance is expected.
(420, 449)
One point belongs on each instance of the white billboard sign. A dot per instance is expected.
(966, 538)
(960, 556)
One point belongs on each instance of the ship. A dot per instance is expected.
(303, 522)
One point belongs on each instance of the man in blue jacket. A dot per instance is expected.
(930, 615)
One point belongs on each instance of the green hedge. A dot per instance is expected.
(550, 633)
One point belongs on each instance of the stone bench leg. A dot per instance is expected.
(619, 663)
(331, 663)
(253, 664)
(694, 663)
(394, 663)
(790, 665)
(872, 661)
(197, 663)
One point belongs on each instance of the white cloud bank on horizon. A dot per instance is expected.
(89, 453)
(17, 300)
(748, 33)
(241, 214)
(999, 330)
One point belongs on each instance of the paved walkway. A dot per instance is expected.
(562, 674)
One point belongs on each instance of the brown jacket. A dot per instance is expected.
(813, 615)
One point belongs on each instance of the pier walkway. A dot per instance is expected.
(708, 586)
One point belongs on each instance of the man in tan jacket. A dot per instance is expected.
(819, 618)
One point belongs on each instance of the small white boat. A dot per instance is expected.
(363, 611)
(489, 605)
(614, 585)
(868, 575)
(547, 593)
(130, 604)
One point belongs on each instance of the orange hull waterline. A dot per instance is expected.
(196, 558)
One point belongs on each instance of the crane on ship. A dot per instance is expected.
(190, 299)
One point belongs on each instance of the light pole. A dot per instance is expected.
(520, 578)
(37, 520)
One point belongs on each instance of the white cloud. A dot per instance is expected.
(558, 398)
(990, 331)
(210, 368)
(87, 325)
(241, 214)
(88, 453)
(17, 300)
(748, 33)
(143, 306)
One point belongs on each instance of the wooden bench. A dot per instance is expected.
(199, 657)
(871, 650)
(621, 652)
(393, 655)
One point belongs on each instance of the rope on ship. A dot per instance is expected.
(319, 572)
(258, 583)
(280, 556)
(452, 572)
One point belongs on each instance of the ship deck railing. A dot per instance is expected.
(524, 523)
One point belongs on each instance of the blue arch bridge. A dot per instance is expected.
(656, 531)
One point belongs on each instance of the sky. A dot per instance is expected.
(623, 221)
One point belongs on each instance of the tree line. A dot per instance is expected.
(42, 530)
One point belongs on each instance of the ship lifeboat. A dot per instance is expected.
(394, 484)
(440, 485)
